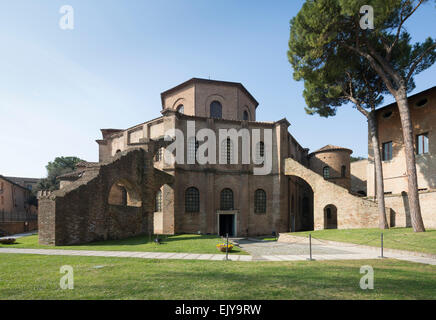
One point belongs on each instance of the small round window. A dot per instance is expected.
(387, 114)
(421, 103)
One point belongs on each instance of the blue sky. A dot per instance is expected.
(59, 87)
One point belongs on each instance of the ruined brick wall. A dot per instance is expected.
(81, 213)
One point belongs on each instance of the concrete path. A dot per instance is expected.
(127, 254)
(258, 250)
(282, 251)
(277, 252)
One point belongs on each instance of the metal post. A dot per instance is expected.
(381, 247)
(310, 247)
(227, 247)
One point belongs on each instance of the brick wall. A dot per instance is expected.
(400, 209)
(352, 211)
(18, 227)
(81, 212)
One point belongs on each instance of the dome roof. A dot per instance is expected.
(331, 148)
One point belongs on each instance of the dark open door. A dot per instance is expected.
(227, 224)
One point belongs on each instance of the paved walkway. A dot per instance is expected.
(260, 251)
(282, 251)
(127, 254)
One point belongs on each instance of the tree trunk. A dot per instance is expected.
(413, 195)
(380, 189)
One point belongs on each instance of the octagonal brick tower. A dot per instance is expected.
(333, 163)
(212, 99)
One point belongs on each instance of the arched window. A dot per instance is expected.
(227, 199)
(245, 115)
(192, 150)
(343, 171)
(159, 155)
(118, 151)
(216, 110)
(326, 172)
(192, 200)
(124, 193)
(260, 152)
(181, 109)
(260, 201)
(158, 206)
(226, 151)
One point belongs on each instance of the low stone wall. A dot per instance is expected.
(18, 226)
(400, 209)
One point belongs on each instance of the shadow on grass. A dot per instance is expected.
(189, 243)
(146, 239)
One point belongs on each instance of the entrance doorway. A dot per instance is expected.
(301, 205)
(227, 225)
(330, 217)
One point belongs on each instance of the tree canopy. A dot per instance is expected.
(60, 166)
(324, 29)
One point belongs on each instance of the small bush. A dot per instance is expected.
(7, 241)
(222, 247)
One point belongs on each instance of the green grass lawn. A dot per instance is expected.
(395, 238)
(37, 277)
(267, 239)
(189, 243)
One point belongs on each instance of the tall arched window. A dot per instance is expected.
(192, 200)
(181, 108)
(158, 207)
(159, 155)
(227, 199)
(343, 171)
(245, 115)
(260, 152)
(227, 151)
(192, 150)
(260, 201)
(216, 110)
(326, 172)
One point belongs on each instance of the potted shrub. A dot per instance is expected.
(222, 247)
